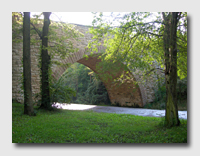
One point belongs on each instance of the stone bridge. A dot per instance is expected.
(122, 94)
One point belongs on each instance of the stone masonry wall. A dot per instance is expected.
(122, 95)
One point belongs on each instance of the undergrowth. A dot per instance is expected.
(182, 105)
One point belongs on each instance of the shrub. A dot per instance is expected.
(61, 93)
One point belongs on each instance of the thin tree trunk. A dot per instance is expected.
(28, 104)
(45, 63)
(170, 49)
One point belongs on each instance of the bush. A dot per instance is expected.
(61, 93)
(160, 96)
(182, 89)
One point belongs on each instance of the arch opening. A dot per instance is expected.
(88, 86)
(126, 94)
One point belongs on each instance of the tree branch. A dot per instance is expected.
(181, 26)
(154, 34)
(164, 17)
(141, 24)
(38, 31)
(121, 41)
(162, 70)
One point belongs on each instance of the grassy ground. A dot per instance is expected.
(66, 126)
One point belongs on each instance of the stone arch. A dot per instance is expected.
(141, 96)
(59, 70)
(125, 94)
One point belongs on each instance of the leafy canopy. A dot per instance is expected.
(137, 40)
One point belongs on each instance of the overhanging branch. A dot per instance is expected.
(153, 34)
(37, 30)
(164, 17)
(162, 70)
(140, 24)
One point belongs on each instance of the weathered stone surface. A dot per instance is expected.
(122, 95)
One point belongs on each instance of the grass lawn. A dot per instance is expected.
(67, 126)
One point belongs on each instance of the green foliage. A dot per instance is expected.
(61, 93)
(17, 27)
(96, 93)
(64, 126)
(182, 46)
(160, 96)
(182, 88)
(137, 40)
(88, 86)
(63, 45)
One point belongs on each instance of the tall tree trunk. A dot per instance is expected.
(170, 49)
(45, 63)
(28, 104)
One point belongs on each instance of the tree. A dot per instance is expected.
(143, 41)
(45, 103)
(60, 46)
(51, 45)
(28, 105)
(170, 21)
